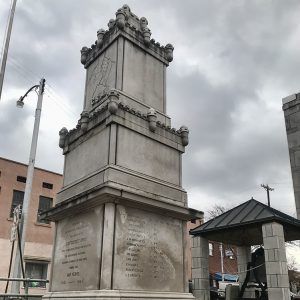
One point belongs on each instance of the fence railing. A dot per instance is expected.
(26, 287)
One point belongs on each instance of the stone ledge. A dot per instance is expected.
(121, 177)
(105, 193)
(118, 294)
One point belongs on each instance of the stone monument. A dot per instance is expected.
(291, 108)
(121, 214)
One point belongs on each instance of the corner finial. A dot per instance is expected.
(152, 119)
(113, 103)
(120, 18)
(169, 52)
(184, 133)
(111, 23)
(62, 137)
(100, 35)
(84, 51)
(84, 120)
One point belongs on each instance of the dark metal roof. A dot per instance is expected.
(242, 224)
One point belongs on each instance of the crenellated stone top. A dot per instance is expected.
(113, 107)
(136, 29)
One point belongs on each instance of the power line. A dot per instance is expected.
(31, 77)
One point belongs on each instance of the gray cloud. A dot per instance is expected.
(232, 65)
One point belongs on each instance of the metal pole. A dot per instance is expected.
(222, 261)
(268, 194)
(28, 187)
(5, 51)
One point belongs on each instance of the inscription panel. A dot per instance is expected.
(148, 251)
(77, 253)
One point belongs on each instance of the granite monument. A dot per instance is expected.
(121, 214)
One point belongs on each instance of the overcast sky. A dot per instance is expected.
(234, 61)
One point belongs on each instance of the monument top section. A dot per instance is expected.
(132, 28)
(291, 98)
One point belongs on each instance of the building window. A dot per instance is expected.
(36, 270)
(21, 179)
(18, 197)
(47, 185)
(45, 203)
(210, 249)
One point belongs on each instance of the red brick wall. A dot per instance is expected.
(39, 233)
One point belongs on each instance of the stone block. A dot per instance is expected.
(200, 273)
(283, 281)
(272, 281)
(270, 255)
(231, 292)
(271, 242)
(196, 241)
(281, 255)
(201, 252)
(277, 229)
(276, 268)
(196, 283)
(201, 294)
(204, 284)
(284, 267)
(279, 293)
(267, 230)
(196, 262)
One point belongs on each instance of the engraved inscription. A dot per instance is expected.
(77, 252)
(101, 77)
(149, 251)
(98, 80)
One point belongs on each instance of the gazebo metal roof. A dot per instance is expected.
(242, 225)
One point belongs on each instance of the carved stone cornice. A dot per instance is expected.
(114, 110)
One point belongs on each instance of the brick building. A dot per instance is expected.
(39, 237)
(214, 260)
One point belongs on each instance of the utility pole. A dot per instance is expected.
(5, 50)
(28, 187)
(268, 189)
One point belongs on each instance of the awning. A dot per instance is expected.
(227, 277)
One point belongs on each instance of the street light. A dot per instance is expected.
(28, 187)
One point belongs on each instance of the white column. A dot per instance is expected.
(200, 273)
(276, 263)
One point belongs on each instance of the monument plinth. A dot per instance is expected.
(121, 214)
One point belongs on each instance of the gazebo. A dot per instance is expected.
(251, 223)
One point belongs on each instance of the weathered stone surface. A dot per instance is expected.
(78, 165)
(101, 75)
(144, 77)
(150, 157)
(77, 252)
(148, 251)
